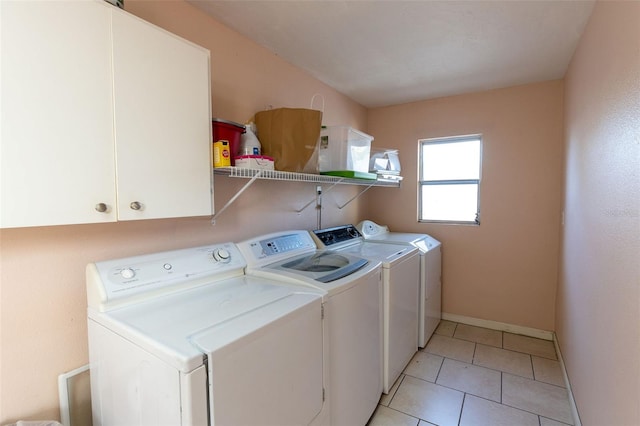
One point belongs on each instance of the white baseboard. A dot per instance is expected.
(500, 326)
(572, 401)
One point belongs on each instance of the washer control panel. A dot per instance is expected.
(276, 245)
(114, 282)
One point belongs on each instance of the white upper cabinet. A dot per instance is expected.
(104, 117)
(56, 146)
(163, 122)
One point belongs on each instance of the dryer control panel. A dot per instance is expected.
(117, 282)
(337, 236)
(370, 229)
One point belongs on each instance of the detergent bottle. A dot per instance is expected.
(250, 145)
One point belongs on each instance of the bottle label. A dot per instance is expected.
(250, 150)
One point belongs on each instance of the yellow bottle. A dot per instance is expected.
(221, 154)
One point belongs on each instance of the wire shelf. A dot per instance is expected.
(241, 172)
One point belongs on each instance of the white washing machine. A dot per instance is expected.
(185, 338)
(430, 272)
(400, 283)
(352, 306)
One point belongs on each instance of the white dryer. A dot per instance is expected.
(400, 282)
(185, 338)
(430, 272)
(351, 306)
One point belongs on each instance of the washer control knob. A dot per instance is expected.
(127, 273)
(368, 229)
(221, 255)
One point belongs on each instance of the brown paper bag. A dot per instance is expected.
(290, 136)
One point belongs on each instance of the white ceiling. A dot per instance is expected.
(390, 52)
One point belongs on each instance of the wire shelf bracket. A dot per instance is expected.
(235, 197)
(356, 196)
(315, 198)
(255, 174)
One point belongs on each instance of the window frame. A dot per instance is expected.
(422, 183)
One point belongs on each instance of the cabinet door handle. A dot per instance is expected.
(101, 207)
(136, 205)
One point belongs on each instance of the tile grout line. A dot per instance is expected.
(502, 346)
(464, 398)
(536, 414)
(481, 343)
(502, 373)
(435, 381)
(536, 381)
(396, 391)
(406, 414)
(483, 366)
(456, 389)
(517, 352)
(533, 370)
(502, 404)
(532, 379)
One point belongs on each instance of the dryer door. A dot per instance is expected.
(265, 367)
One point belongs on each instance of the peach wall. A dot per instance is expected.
(598, 303)
(43, 303)
(506, 269)
(245, 77)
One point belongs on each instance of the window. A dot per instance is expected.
(449, 185)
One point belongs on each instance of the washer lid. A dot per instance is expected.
(323, 267)
(166, 326)
(290, 270)
(292, 256)
(328, 261)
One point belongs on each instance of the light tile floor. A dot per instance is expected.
(470, 375)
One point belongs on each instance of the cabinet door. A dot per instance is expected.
(162, 122)
(56, 139)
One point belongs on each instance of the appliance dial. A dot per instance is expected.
(221, 255)
(127, 273)
(369, 229)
